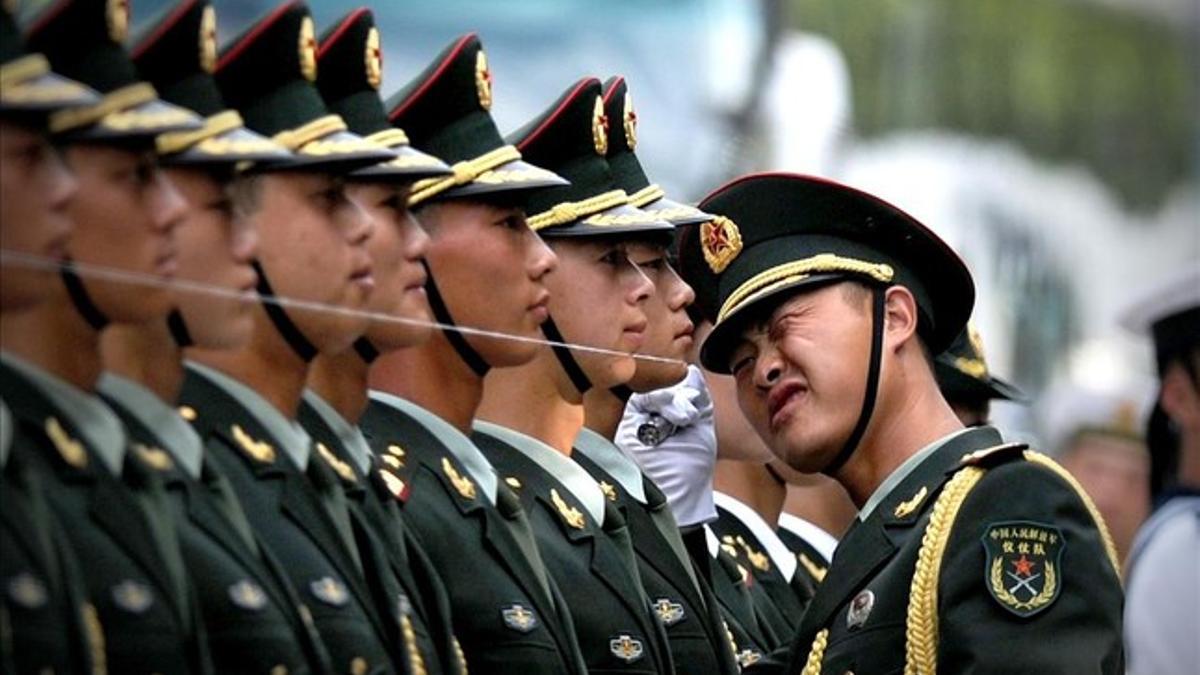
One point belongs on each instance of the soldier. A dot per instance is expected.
(254, 616)
(243, 400)
(967, 383)
(349, 74)
(45, 609)
(534, 412)
(485, 270)
(962, 542)
(685, 606)
(124, 213)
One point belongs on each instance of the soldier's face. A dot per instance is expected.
(491, 270)
(125, 215)
(397, 245)
(312, 247)
(215, 248)
(669, 329)
(596, 299)
(801, 375)
(35, 187)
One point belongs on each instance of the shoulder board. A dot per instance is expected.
(993, 456)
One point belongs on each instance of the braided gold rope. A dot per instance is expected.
(293, 139)
(816, 654)
(1109, 547)
(214, 125)
(921, 626)
(772, 278)
(465, 172)
(125, 97)
(462, 658)
(31, 65)
(647, 195)
(389, 138)
(568, 212)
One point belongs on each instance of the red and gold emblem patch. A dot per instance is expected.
(721, 242)
(208, 39)
(308, 49)
(599, 128)
(1023, 567)
(374, 58)
(483, 80)
(117, 15)
(630, 122)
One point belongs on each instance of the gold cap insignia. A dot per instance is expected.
(464, 485)
(721, 241)
(308, 49)
(330, 591)
(247, 595)
(117, 16)
(259, 451)
(68, 448)
(630, 122)
(608, 490)
(208, 39)
(132, 596)
(570, 515)
(155, 458)
(374, 59)
(905, 508)
(599, 128)
(341, 468)
(483, 80)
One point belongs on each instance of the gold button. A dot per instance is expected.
(279, 670)
(358, 666)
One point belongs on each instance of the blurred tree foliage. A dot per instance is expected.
(1070, 81)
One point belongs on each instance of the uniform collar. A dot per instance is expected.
(6, 433)
(819, 539)
(710, 539)
(90, 416)
(571, 475)
(172, 431)
(296, 442)
(350, 435)
(783, 558)
(901, 472)
(615, 463)
(459, 445)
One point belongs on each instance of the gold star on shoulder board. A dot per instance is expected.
(68, 448)
(570, 515)
(259, 451)
(462, 484)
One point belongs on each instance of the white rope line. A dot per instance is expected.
(111, 274)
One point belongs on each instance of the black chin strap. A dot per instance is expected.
(440, 313)
(80, 298)
(622, 392)
(864, 418)
(290, 332)
(366, 350)
(565, 359)
(179, 329)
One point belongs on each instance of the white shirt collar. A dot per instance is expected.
(577, 481)
(458, 443)
(816, 537)
(614, 462)
(783, 558)
(90, 415)
(714, 544)
(349, 434)
(172, 431)
(297, 444)
(901, 472)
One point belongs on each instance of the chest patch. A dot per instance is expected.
(1023, 565)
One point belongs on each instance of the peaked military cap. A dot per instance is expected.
(1170, 313)
(83, 39)
(571, 139)
(963, 375)
(445, 112)
(349, 72)
(177, 54)
(627, 170)
(269, 74)
(776, 233)
(28, 88)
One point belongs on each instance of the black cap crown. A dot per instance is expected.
(776, 233)
(445, 112)
(28, 88)
(83, 40)
(177, 54)
(571, 139)
(627, 170)
(268, 73)
(349, 73)
(963, 375)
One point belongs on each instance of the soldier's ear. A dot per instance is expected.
(900, 320)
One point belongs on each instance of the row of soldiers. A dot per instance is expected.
(259, 419)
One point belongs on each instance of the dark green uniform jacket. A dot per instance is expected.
(698, 640)
(147, 626)
(986, 558)
(404, 581)
(286, 511)
(591, 559)
(251, 610)
(505, 610)
(729, 581)
(813, 564)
